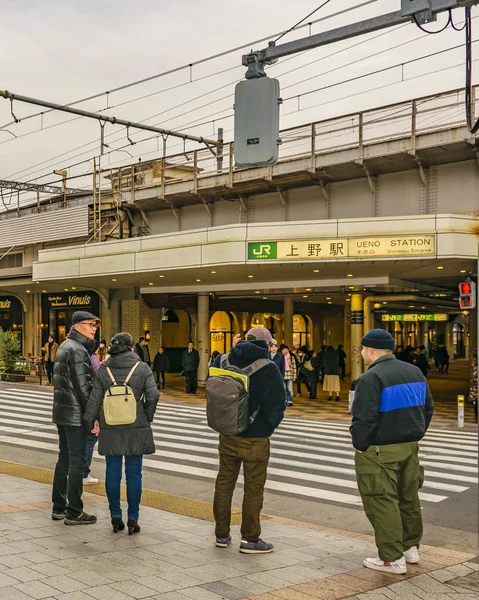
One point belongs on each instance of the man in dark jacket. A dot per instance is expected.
(250, 448)
(419, 359)
(392, 410)
(276, 357)
(143, 351)
(190, 361)
(161, 365)
(72, 384)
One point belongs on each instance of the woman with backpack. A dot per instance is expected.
(130, 440)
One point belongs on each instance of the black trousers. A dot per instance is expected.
(302, 379)
(71, 465)
(191, 381)
(49, 370)
(343, 372)
(160, 374)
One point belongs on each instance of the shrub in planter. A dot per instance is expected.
(9, 352)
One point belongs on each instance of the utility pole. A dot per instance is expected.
(63, 175)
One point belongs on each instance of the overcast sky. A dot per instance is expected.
(65, 51)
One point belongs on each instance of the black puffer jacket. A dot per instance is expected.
(72, 379)
(135, 439)
(331, 363)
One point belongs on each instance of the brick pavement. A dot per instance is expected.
(174, 559)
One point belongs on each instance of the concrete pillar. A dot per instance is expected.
(288, 321)
(347, 336)
(203, 335)
(357, 320)
(112, 323)
(29, 327)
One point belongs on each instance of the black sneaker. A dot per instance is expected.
(82, 519)
(59, 516)
(223, 542)
(258, 547)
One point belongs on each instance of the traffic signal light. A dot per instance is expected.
(467, 295)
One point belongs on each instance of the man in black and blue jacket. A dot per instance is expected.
(392, 410)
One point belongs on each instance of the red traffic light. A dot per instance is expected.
(465, 288)
(467, 295)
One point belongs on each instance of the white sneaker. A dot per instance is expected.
(412, 555)
(398, 566)
(90, 480)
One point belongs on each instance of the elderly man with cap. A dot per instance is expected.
(250, 448)
(72, 384)
(392, 410)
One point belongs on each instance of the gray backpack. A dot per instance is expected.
(227, 396)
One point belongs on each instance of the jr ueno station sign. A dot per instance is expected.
(334, 248)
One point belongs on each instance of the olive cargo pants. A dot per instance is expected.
(253, 454)
(389, 485)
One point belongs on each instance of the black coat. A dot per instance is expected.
(315, 375)
(190, 361)
(278, 358)
(331, 363)
(421, 363)
(161, 363)
(72, 379)
(135, 439)
(342, 358)
(266, 388)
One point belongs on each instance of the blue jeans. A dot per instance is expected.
(90, 445)
(288, 384)
(114, 467)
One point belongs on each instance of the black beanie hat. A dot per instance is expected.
(379, 339)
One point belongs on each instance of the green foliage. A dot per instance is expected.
(9, 351)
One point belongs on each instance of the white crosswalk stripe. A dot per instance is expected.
(308, 458)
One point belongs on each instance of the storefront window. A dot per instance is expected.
(221, 332)
(58, 309)
(11, 317)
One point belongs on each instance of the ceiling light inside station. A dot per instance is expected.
(44, 291)
(213, 272)
(151, 283)
(316, 271)
(308, 289)
(112, 280)
(250, 276)
(65, 289)
(384, 302)
(28, 291)
(265, 297)
(198, 280)
(463, 271)
(348, 299)
(439, 268)
(328, 298)
(329, 302)
(161, 276)
(350, 275)
(37, 282)
(305, 296)
(257, 292)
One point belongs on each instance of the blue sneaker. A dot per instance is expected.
(223, 542)
(258, 547)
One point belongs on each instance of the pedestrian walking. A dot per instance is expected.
(92, 439)
(161, 366)
(321, 354)
(190, 361)
(420, 360)
(331, 370)
(50, 352)
(303, 373)
(250, 448)
(392, 410)
(276, 357)
(143, 351)
(443, 356)
(72, 384)
(290, 374)
(342, 361)
(129, 442)
(314, 375)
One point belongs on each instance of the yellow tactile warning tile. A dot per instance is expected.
(175, 504)
(365, 580)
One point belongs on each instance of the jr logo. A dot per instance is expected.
(262, 251)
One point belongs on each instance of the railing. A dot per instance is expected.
(402, 121)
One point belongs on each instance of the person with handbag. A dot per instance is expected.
(129, 440)
(303, 373)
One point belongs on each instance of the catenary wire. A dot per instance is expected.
(302, 21)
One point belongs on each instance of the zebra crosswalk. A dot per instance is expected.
(309, 459)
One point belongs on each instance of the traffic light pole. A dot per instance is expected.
(256, 61)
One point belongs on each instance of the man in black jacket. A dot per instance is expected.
(250, 448)
(392, 410)
(72, 384)
(161, 365)
(190, 361)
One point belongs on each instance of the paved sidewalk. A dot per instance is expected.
(174, 559)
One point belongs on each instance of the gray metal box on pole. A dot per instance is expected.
(256, 126)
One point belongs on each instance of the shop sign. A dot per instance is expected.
(410, 245)
(218, 337)
(5, 304)
(416, 317)
(69, 300)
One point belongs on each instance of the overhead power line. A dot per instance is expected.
(302, 20)
(189, 66)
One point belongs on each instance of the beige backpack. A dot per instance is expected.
(119, 402)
